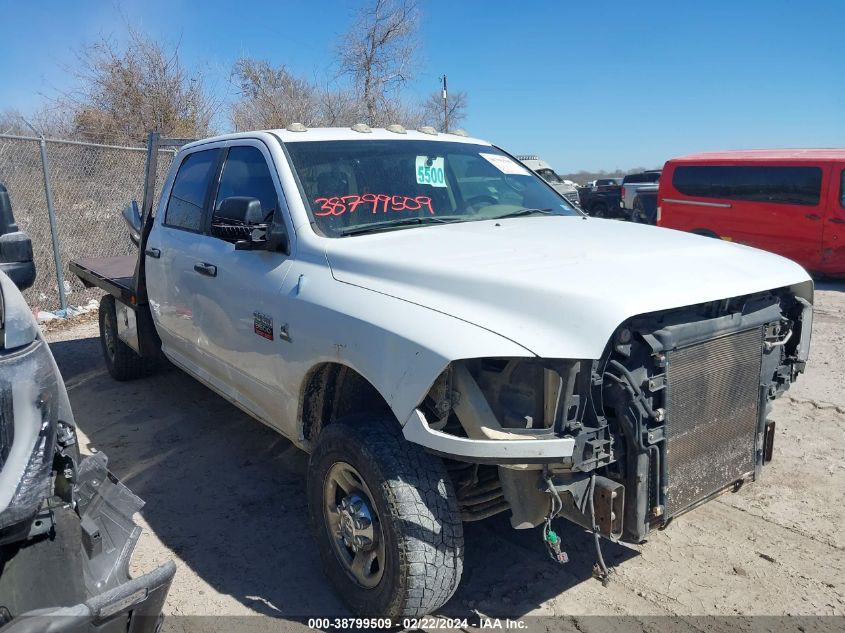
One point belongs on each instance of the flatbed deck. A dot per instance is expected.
(115, 275)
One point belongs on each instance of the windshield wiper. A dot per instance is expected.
(522, 212)
(387, 225)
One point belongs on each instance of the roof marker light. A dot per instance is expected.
(427, 129)
(396, 129)
(296, 127)
(363, 128)
(460, 132)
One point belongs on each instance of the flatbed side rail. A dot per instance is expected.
(103, 278)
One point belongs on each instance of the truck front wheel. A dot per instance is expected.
(386, 519)
(122, 361)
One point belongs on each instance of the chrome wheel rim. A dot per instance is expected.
(353, 524)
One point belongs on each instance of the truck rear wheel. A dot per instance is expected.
(385, 518)
(122, 361)
(638, 214)
(599, 210)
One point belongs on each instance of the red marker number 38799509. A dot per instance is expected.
(373, 202)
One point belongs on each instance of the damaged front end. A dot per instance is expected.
(75, 578)
(673, 413)
(66, 529)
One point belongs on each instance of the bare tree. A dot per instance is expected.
(338, 106)
(433, 112)
(126, 92)
(45, 121)
(11, 122)
(377, 53)
(272, 97)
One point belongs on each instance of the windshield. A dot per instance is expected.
(406, 183)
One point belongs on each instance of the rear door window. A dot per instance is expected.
(187, 197)
(776, 184)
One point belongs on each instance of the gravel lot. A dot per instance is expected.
(225, 500)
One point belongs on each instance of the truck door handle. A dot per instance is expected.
(837, 220)
(153, 252)
(209, 270)
(813, 216)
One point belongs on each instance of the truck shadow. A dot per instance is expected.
(227, 496)
(829, 283)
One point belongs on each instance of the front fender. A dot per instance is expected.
(398, 346)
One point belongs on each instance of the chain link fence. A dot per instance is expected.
(89, 185)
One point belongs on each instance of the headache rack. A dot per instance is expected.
(124, 277)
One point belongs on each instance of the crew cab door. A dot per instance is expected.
(173, 247)
(242, 307)
(833, 246)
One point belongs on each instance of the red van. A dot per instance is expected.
(790, 201)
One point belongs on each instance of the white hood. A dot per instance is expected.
(557, 286)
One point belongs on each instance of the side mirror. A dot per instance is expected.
(239, 210)
(132, 217)
(15, 247)
(240, 219)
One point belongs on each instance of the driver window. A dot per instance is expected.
(245, 173)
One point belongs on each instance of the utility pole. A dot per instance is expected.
(445, 106)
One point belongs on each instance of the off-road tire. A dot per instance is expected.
(122, 361)
(417, 508)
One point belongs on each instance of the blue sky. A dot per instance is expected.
(598, 85)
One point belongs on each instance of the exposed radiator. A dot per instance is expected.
(712, 402)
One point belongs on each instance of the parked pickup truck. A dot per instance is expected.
(644, 208)
(543, 169)
(630, 184)
(601, 198)
(66, 529)
(450, 340)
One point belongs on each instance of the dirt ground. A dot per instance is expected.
(225, 500)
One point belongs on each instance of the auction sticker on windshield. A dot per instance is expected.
(430, 171)
(505, 164)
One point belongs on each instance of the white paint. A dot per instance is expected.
(558, 286)
(398, 306)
